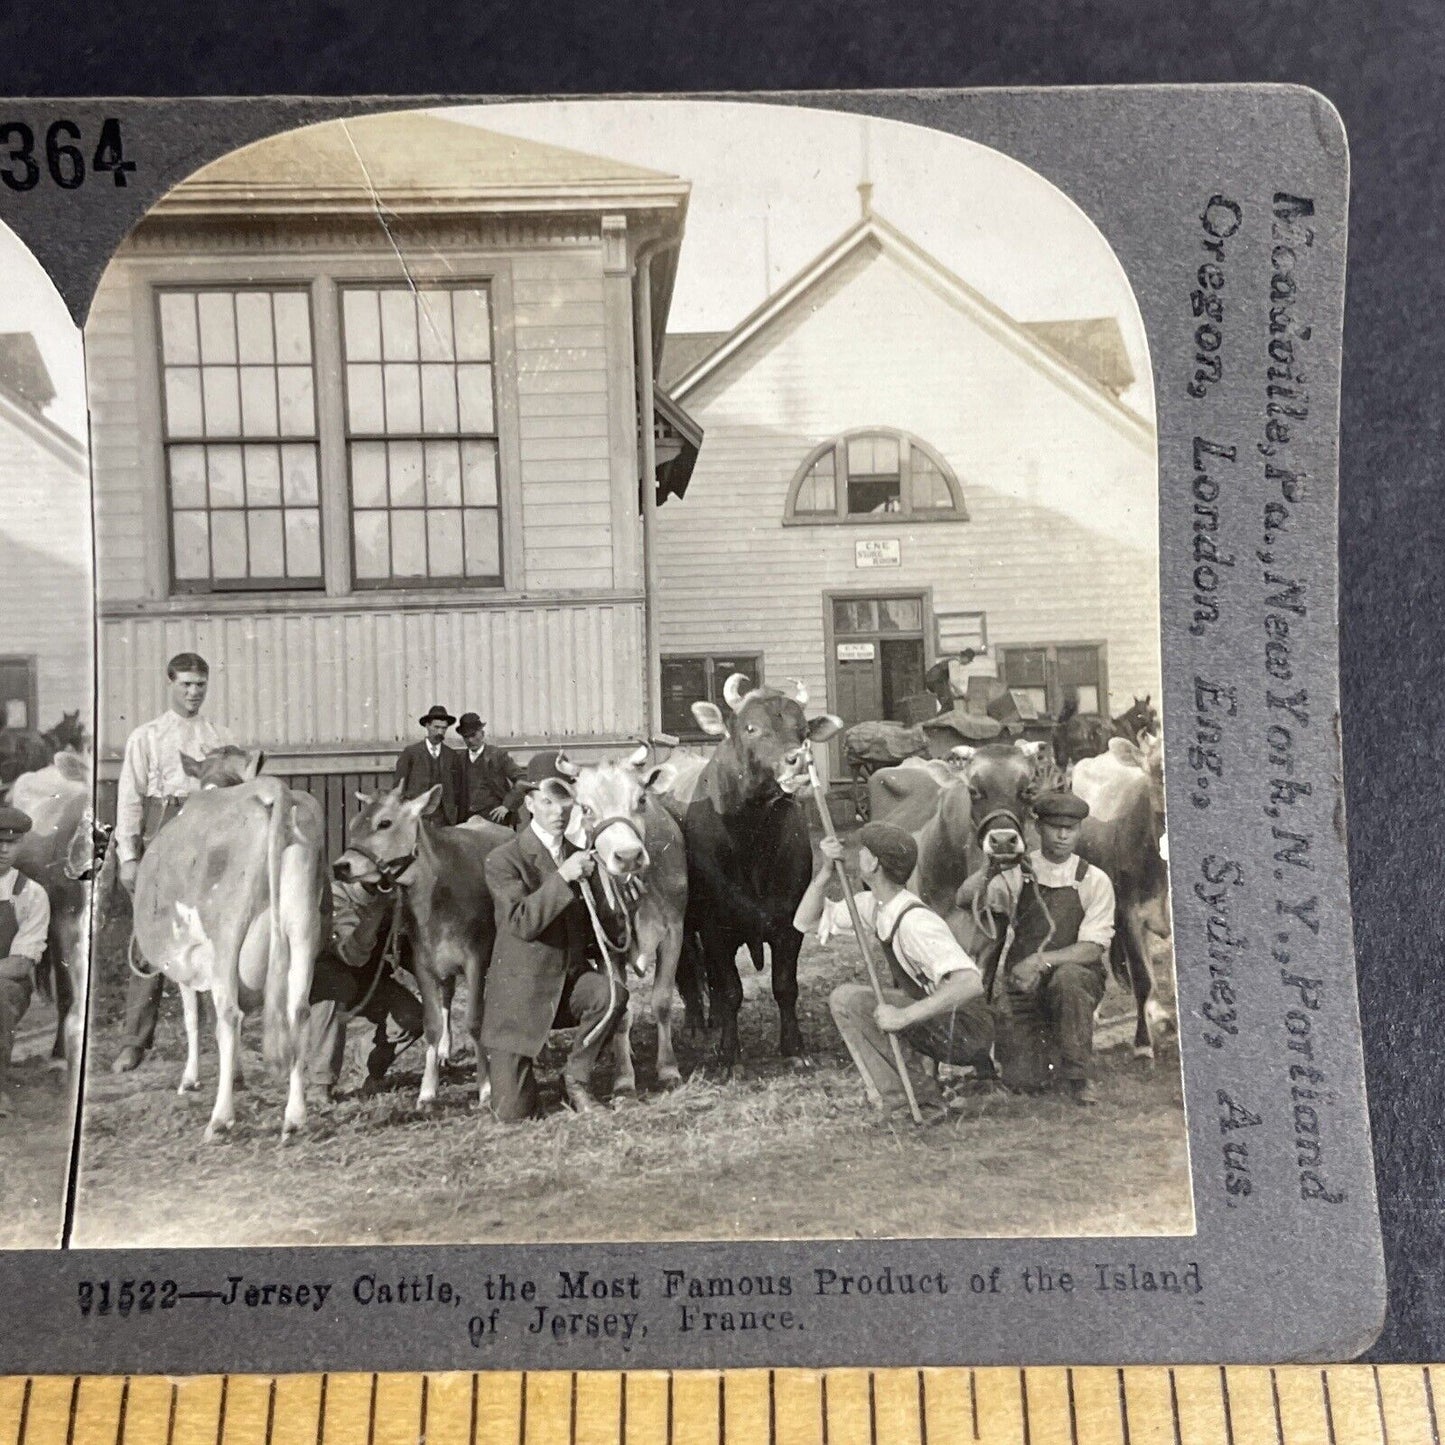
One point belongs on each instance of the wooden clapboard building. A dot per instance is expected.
(365, 407)
(896, 469)
(45, 596)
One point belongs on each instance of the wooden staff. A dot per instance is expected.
(864, 943)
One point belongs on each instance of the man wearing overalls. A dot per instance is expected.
(1062, 918)
(24, 926)
(935, 1005)
(153, 785)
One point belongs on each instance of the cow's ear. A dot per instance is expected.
(427, 803)
(709, 718)
(252, 767)
(660, 779)
(820, 729)
(190, 766)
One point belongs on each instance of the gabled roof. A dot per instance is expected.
(1094, 344)
(873, 231)
(414, 161)
(22, 370)
(682, 350)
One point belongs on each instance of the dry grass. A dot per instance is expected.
(781, 1153)
(35, 1139)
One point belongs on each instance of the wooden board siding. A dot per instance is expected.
(45, 588)
(358, 680)
(1061, 542)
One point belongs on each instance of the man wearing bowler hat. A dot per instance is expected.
(24, 924)
(540, 978)
(489, 774)
(430, 761)
(1062, 923)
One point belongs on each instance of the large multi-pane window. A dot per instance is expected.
(701, 678)
(240, 438)
(1052, 676)
(421, 434)
(874, 475)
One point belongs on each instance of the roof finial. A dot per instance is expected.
(865, 180)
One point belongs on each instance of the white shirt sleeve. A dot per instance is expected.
(926, 944)
(134, 778)
(835, 919)
(32, 913)
(1096, 893)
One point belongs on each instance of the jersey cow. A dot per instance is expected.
(1124, 835)
(641, 886)
(228, 902)
(981, 808)
(59, 854)
(749, 856)
(1078, 735)
(448, 913)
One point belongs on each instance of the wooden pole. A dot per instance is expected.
(864, 942)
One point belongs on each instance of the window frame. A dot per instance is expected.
(906, 513)
(693, 733)
(1052, 688)
(491, 582)
(321, 269)
(31, 663)
(212, 586)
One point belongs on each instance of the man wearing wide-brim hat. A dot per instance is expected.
(24, 925)
(430, 762)
(540, 979)
(1054, 969)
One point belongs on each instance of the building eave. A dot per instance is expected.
(873, 229)
(45, 433)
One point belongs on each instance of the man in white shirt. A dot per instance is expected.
(1062, 922)
(153, 785)
(24, 925)
(935, 1007)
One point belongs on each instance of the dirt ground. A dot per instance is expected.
(781, 1153)
(35, 1139)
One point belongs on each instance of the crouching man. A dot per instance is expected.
(1057, 926)
(354, 979)
(936, 1005)
(540, 978)
(24, 927)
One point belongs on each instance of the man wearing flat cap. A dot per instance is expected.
(24, 925)
(429, 762)
(489, 774)
(540, 978)
(1053, 972)
(935, 1006)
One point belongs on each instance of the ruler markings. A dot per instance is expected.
(1380, 1406)
(1024, 1406)
(572, 1412)
(125, 1402)
(772, 1407)
(922, 1410)
(722, 1409)
(1124, 1409)
(1329, 1406)
(1174, 1408)
(321, 1412)
(622, 1412)
(371, 1414)
(1228, 1412)
(823, 1391)
(24, 1429)
(472, 1431)
(1096, 1407)
(1430, 1406)
(1278, 1418)
(422, 1423)
(973, 1401)
(221, 1410)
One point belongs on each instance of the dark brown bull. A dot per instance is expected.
(1078, 735)
(984, 810)
(749, 856)
(1124, 835)
(448, 912)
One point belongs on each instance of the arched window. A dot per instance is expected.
(875, 475)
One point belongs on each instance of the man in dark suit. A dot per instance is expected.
(489, 774)
(540, 979)
(426, 763)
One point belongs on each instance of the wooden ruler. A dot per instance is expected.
(1199, 1405)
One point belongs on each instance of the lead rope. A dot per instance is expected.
(607, 967)
(390, 956)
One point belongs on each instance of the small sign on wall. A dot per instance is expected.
(878, 552)
(855, 652)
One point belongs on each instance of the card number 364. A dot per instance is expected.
(61, 154)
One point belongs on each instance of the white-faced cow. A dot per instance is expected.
(228, 902)
(1124, 835)
(642, 881)
(981, 808)
(749, 856)
(448, 912)
(59, 853)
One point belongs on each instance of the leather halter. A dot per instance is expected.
(388, 869)
(982, 827)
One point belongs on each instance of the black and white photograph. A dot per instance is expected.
(47, 844)
(627, 700)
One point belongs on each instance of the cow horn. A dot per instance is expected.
(641, 755)
(733, 690)
(800, 692)
(566, 766)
